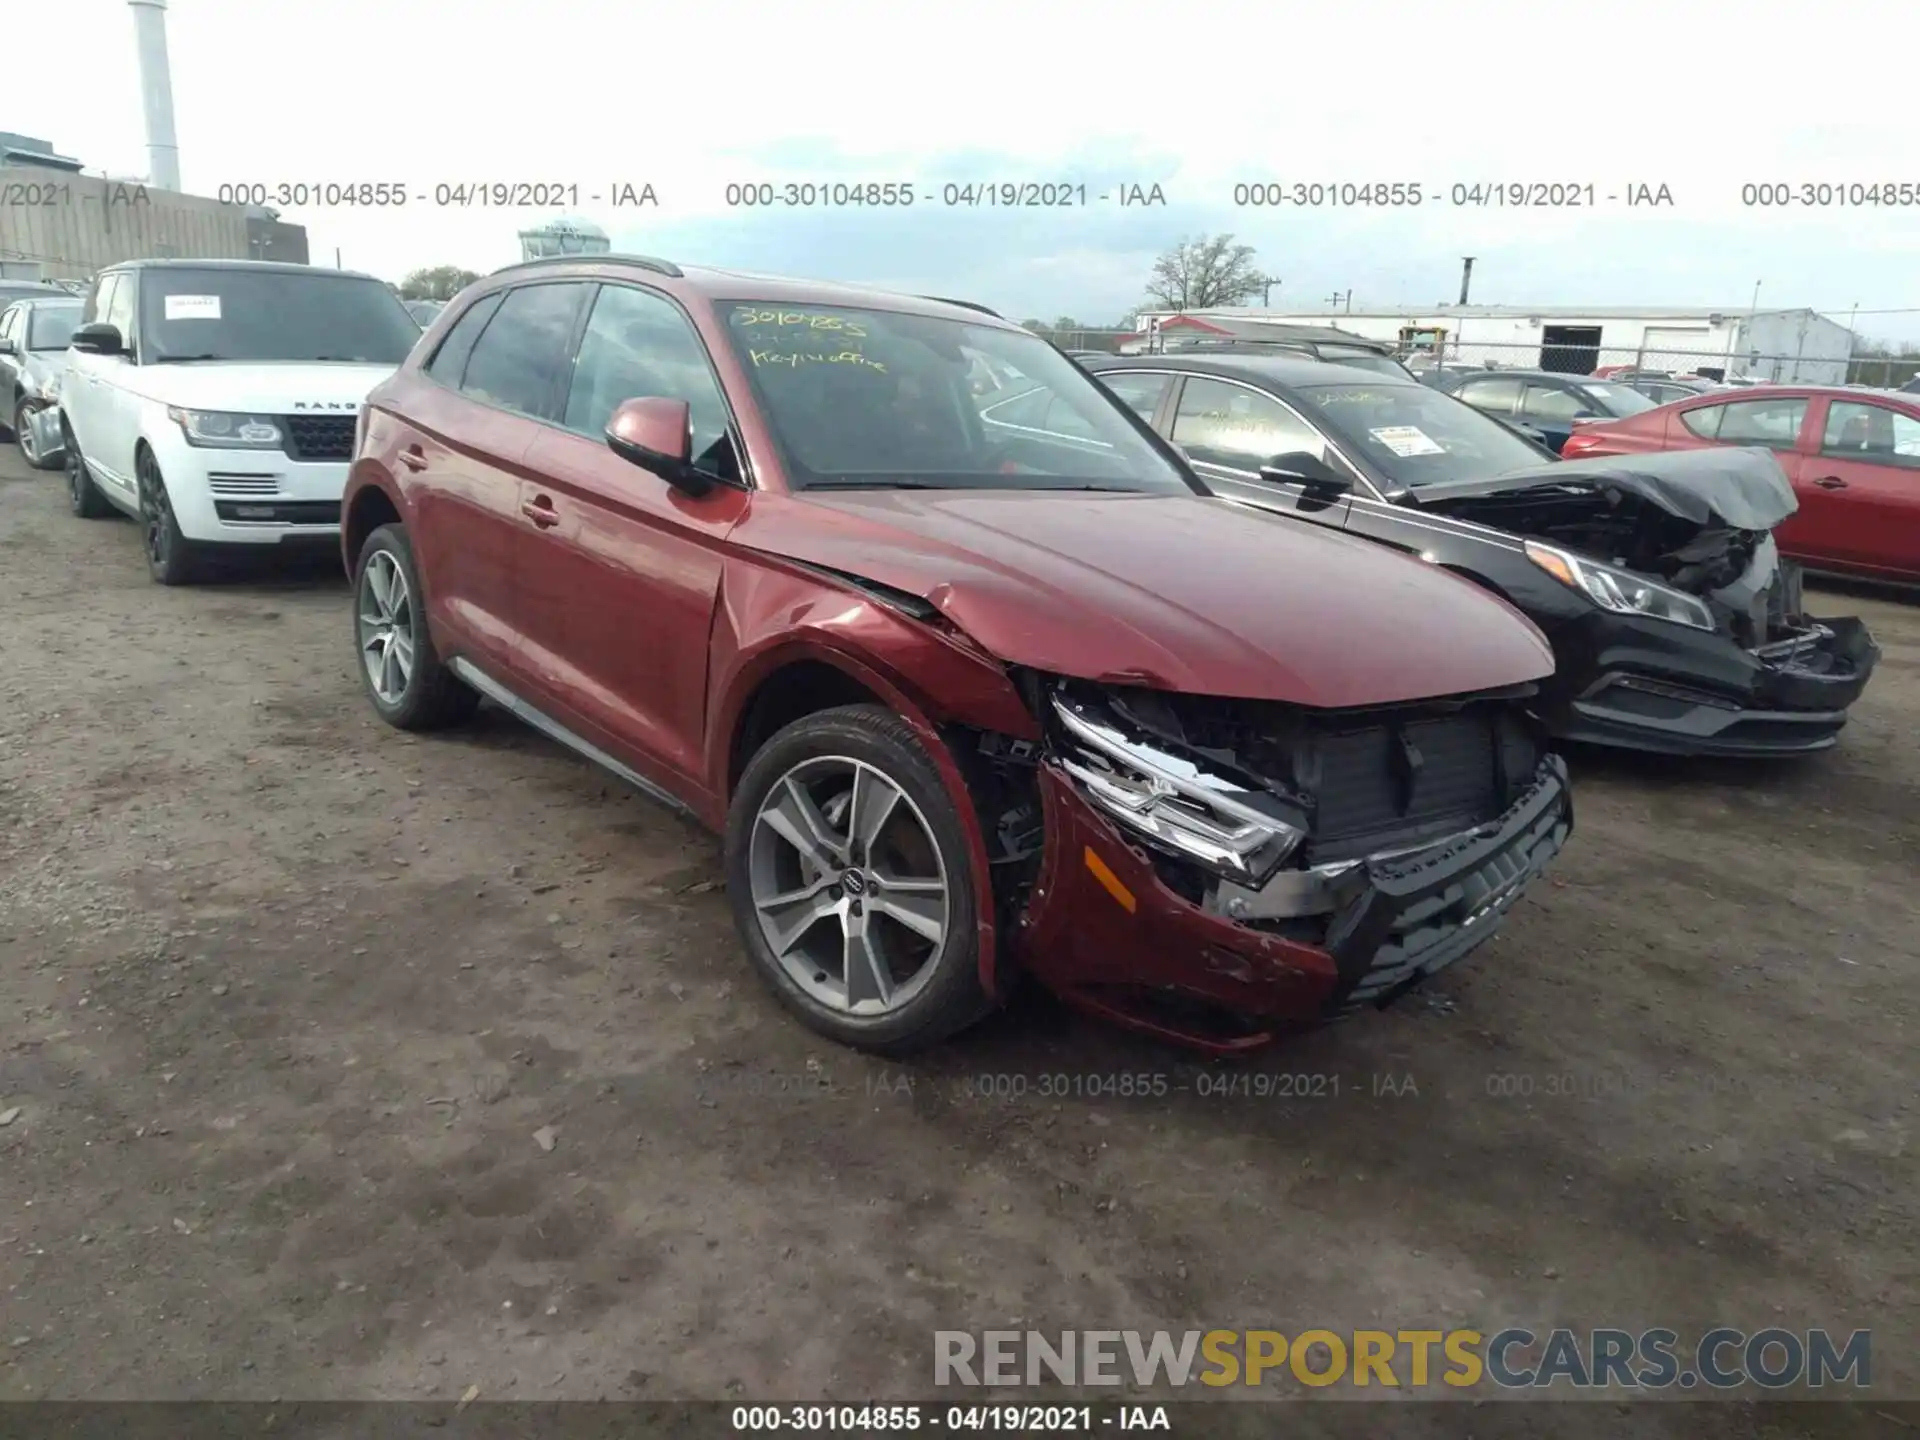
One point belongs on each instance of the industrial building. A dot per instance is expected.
(62, 223)
(1785, 345)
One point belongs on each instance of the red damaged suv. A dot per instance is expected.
(967, 698)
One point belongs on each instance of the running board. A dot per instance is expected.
(499, 694)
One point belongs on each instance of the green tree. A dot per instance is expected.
(436, 282)
(1203, 272)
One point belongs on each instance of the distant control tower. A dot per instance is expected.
(565, 236)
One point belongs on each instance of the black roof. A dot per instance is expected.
(268, 266)
(1262, 366)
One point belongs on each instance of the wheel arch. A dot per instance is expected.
(368, 508)
(800, 674)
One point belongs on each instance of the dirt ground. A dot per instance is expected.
(351, 1065)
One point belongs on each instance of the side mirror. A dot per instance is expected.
(657, 435)
(99, 338)
(1300, 467)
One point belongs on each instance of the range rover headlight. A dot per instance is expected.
(1233, 830)
(225, 430)
(1620, 591)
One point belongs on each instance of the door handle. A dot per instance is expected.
(414, 458)
(1831, 482)
(541, 512)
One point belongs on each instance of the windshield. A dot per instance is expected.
(876, 398)
(1618, 399)
(50, 327)
(1414, 435)
(271, 315)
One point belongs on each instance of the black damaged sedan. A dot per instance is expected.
(1675, 623)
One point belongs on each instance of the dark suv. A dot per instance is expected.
(965, 697)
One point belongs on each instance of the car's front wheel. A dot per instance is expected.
(848, 872)
(410, 686)
(171, 557)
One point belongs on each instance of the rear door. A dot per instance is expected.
(495, 374)
(623, 570)
(1229, 429)
(1865, 473)
(1783, 424)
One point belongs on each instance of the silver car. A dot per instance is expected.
(33, 361)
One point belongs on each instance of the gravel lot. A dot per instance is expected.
(349, 1065)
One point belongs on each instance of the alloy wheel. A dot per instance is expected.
(386, 616)
(156, 514)
(848, 885)
(23, 432)
(77, 481)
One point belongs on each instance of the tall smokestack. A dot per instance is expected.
(1466, 273)
(156, 92)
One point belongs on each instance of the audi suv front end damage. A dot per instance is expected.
(1220, 870)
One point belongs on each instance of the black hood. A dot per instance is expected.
(1734, 489)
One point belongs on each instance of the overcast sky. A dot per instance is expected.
(1194, 99)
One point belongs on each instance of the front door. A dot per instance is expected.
(622, 570)
(1229, 430)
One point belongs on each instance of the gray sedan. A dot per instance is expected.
(33, 361)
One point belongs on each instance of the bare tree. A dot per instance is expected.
(1203, 272)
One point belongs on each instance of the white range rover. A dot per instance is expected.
(216, 401)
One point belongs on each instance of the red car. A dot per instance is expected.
(965, 696)
(1853, 457)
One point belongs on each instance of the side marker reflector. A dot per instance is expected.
(1111, 882)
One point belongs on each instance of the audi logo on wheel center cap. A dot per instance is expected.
(854, 883)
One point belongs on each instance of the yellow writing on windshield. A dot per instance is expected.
(852, 329)
(796, 359)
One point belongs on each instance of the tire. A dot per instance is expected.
(429, 696)
(172, 559)
(83, 496)
(942, 995)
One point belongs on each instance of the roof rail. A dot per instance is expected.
(964, 305)
(645, 262)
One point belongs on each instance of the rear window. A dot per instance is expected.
(263, 315)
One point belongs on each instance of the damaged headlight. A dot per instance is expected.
(1220, 824)
(1621, 591)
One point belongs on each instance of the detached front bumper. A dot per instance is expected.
(1653, 685)
(1104, 932)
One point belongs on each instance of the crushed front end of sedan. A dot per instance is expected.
(1675, 624)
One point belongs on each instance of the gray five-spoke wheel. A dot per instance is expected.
(386, 616)
(848, 885)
